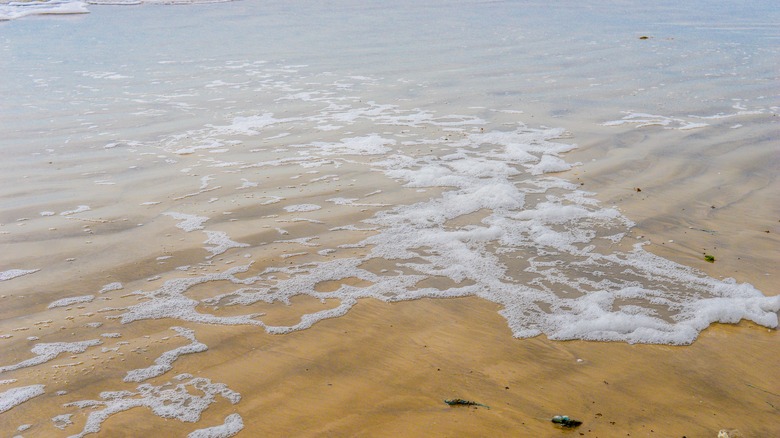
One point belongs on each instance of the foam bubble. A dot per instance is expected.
(302, 208)
(13, 273)
(169, 301)
(79, 209)
(64, 302)
(188, 222)
(549, 164)
(233, 424)
(369, 145)
(164, 363)
(250, 125)
(16, 396)
(220, 242)
(62, 421)
(183, 401)
(566, 280)
(642, 120)
(45, 352)
(111, 287)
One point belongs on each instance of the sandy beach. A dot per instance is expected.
(385, 369)
(314, 232)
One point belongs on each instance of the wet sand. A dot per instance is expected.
(385, 369)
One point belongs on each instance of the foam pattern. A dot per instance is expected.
(65, 302)
(13, 273)
(233, 424)
(45, 352)
(164, 363)
(326, 194)
(539, 246)
(16, 396)
(184, 401)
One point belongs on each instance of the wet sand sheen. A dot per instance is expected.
(385, 369)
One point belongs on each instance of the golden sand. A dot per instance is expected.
(386, 369)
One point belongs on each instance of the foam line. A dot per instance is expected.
(183, 401)
(233, 424)
(45, 352)
(64, 302)
(164, 363)
(13, 273)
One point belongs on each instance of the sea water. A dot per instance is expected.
(197, 163)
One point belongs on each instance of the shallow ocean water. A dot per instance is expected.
(199, 164)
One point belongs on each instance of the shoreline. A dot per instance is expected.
(212, 183)
(385, 368)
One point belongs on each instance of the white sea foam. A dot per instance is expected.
(13, 273)
(271, 200)
(487, 218)
(302, 207)
(79, 209)
(218, 242)
(250, 125)
(184, 402)
(164, 363)
(369, 145)
(45, 352)
(169, 301)
(188, 222)
(62, 421)
(547, 226)
(16, 396)
(64, 302)
(233, 424)
(111, 287)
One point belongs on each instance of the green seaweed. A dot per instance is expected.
(461, 402)
(565, 421)
(709, 258)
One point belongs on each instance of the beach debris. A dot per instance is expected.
(565, 421)
(644, 37)
(703, 229)
(729, 433)
(709, 258)
(461, 402)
